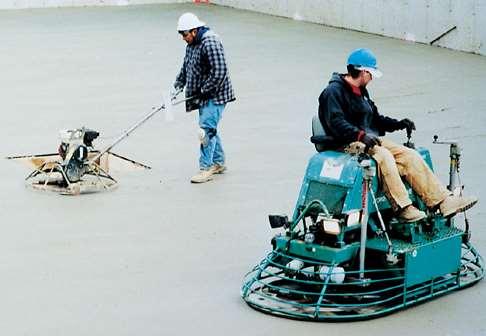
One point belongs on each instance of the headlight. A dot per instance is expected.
(295, 265)
(329, 225)
(353, 218)
(337, 274)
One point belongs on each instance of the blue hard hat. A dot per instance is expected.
(364, 59)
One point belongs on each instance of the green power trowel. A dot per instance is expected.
(345, 256)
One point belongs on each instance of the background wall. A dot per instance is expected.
(414, 20)
(21, 4)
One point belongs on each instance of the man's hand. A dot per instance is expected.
(370, 141)
(174, 93)
(407, 124)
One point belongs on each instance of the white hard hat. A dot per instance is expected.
(188, 21)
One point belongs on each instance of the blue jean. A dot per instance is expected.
(211, 150)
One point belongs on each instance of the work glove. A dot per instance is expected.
(370, 141)
(174, 92)
(407, 124)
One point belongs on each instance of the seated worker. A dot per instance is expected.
(349, 115)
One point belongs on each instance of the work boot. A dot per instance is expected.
(203, 176)
(451, 205)
(218, 168)
(411, 214)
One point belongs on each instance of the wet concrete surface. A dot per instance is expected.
(159, 255)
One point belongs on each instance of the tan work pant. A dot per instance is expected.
(396, 161)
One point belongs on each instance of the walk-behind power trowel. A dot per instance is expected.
(345, 256)
(79, 168)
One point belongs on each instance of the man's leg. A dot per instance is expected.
(393, 186)
(413, 167)
(417, 173)
(218, 157)
(218, 154)
(390, 176)
(209, 116)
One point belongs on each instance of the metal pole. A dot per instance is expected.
(134, 127)
(455, 154)
(127, 133)
(380, 218)
(367, 175)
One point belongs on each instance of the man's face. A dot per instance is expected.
(366, 77)
(189, 36)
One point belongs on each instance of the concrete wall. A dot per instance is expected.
(22, 4)
(414, 20)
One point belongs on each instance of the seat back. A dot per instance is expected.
(320, 139)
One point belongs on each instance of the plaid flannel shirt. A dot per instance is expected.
(204, 70)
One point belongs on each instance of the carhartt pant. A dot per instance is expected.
(211, 150)
(396, 161)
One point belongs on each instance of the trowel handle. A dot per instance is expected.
(409, 133)
(136, 125)
(174, 103)
(409, 143)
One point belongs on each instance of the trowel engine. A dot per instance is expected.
(73, 150)
(77, 167)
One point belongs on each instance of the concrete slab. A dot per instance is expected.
(162, 256)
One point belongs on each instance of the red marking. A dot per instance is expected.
(361, 135)
(364, 196)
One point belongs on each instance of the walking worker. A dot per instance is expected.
(348, 114)
(204, 74)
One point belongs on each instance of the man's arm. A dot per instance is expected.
(217, 64)
(331, 111)
(383, 123)
(180, 81)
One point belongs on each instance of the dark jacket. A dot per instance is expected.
(205, 71)
(344, 114)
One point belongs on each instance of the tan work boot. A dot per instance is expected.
(411, 214)
(203, 176)
(218, 169)
(451, 205)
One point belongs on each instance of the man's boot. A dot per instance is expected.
(218, 168)
(203, 176)
(451, 205)
(411, 214)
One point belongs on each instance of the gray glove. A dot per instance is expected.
(175, 92)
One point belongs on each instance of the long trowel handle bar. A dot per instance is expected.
(135, 126)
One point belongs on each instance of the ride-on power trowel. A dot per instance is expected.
(344, 255)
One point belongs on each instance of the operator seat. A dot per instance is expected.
(320, 139)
